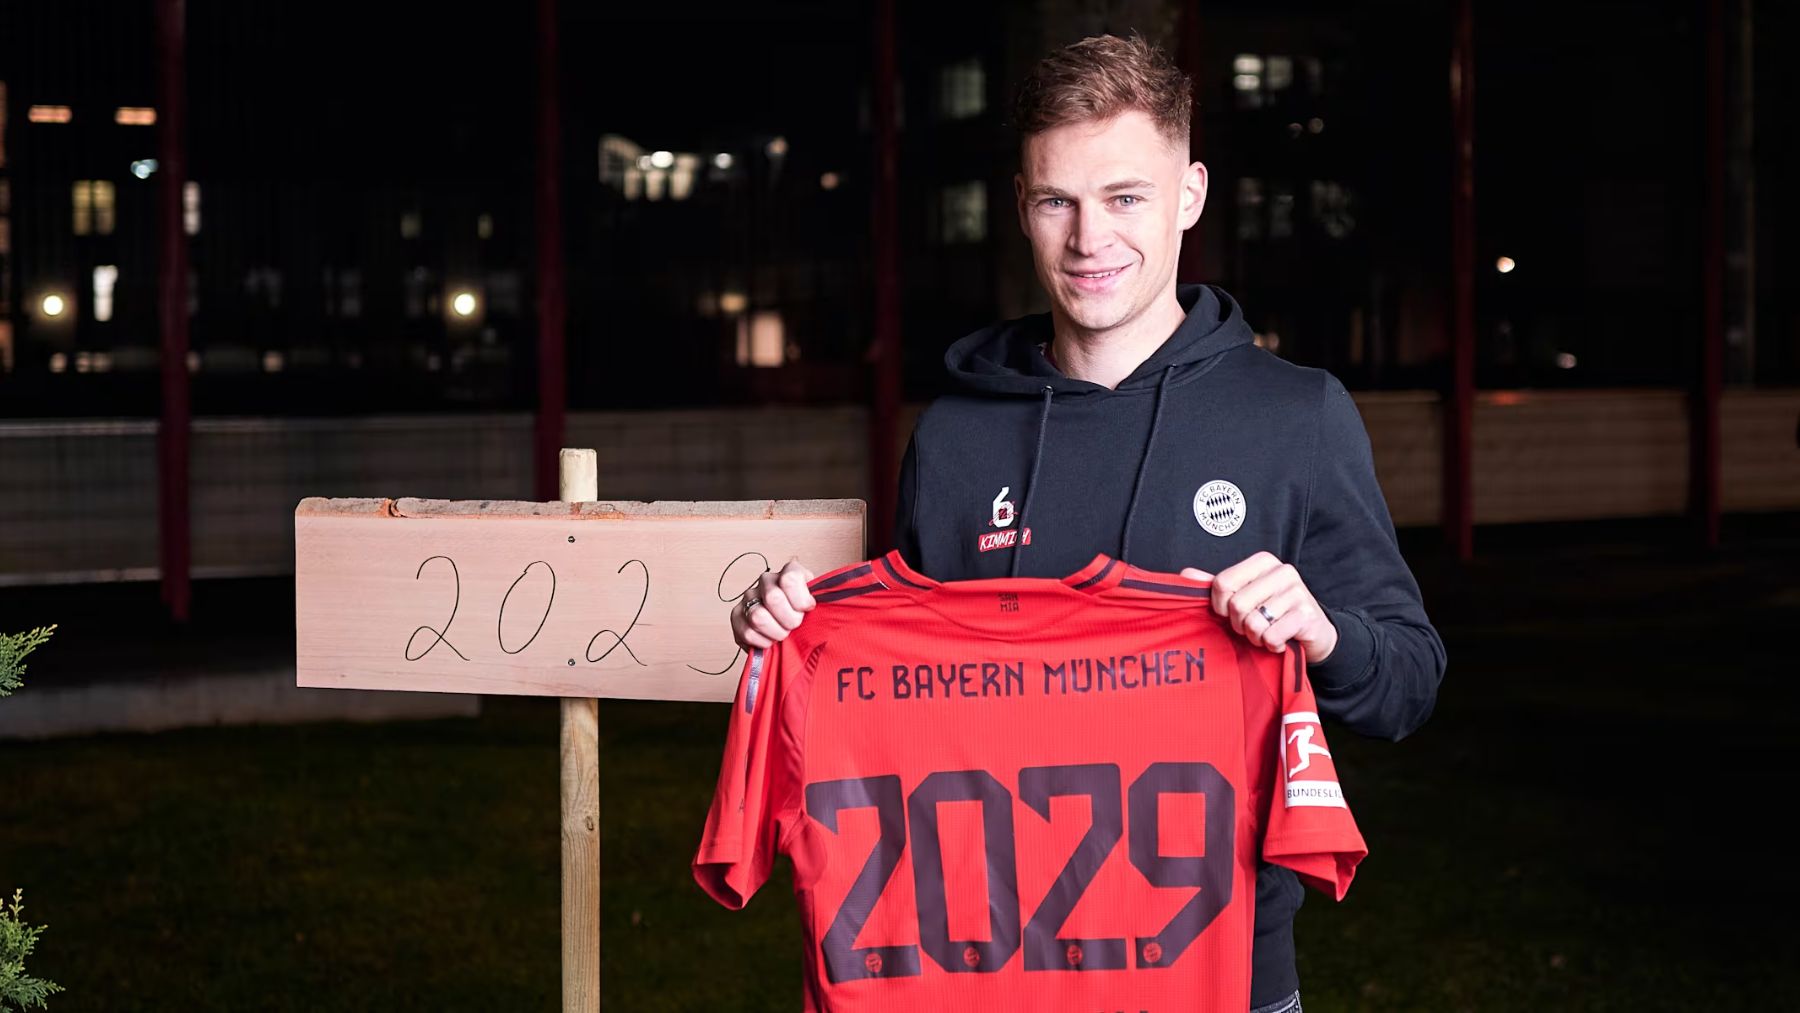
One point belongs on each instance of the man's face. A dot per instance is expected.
(1104, 204)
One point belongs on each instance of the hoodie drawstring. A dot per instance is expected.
(1143, 467)
(1037, 458)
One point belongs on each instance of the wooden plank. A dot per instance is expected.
(548, 599)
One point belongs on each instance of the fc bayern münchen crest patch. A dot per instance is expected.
(1219, 507)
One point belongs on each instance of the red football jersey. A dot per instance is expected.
(1024, 794)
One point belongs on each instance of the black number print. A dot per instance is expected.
(443, 634)
(720, 591)
(844, 960)
(978, 956)
(1210, 873)
(500, 622)
(1044, 950)
(619, 638)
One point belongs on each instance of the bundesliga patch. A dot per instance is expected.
(1308, 776)
(992, 540)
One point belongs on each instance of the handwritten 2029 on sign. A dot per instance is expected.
(543, 599)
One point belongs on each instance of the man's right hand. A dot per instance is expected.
(775, 606)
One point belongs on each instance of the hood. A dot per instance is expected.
(1005, 359)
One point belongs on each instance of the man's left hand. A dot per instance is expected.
(1265, 600)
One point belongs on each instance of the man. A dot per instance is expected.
(1139, 419)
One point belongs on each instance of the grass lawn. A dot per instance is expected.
(1590, 822)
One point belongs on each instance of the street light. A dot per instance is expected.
(463, 304)
(54, 305)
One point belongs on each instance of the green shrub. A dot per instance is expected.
(18, 990)
(13, 649)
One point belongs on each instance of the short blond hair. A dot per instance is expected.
(1102, 76)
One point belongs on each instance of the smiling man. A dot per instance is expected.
(1139, 419)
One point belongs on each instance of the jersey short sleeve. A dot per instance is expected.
(756, 784)
(1309, 828)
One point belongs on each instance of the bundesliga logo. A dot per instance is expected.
(1311, 779)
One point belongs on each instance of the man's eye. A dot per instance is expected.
(1055, 202)
(1127, 200)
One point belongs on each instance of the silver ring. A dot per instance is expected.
(750, 605)
(1264, 610)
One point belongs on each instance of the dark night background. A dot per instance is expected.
(1589, 822)
(346, 155)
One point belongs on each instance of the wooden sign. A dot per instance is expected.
(544, 599)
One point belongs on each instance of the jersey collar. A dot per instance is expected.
(1103, 573)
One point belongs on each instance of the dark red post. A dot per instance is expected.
(885, 355)
(1459, 408)
(172, 305)
(1704, 478)
(547, 436)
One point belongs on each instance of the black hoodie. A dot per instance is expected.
(1210, 451)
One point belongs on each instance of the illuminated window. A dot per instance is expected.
(760, 339)
(1278, 73)
(411, 224)
(134, 116)
(622, 165)
(681, 177)
(190, 208)
(104, 208)
(962, 90)
(1247, 79)
(484, 226)
(1256, 80)
(105, 277)
(94, 207)
(964, 218)
(49, 114)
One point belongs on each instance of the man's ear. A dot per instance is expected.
(1019, 199)
(1193, 194)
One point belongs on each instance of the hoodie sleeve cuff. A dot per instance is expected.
(1352, 660)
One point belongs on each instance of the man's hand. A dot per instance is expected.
(776, 605)
(1264, 599)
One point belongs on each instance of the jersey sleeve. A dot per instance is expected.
(742, 835)
(1309, 827)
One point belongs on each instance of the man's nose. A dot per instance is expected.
(1092, 232)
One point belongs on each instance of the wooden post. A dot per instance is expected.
(578, 481)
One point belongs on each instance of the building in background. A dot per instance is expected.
(360, 208)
